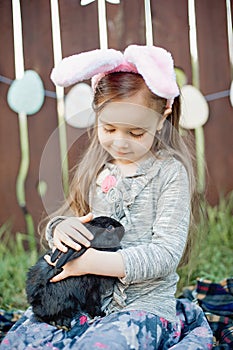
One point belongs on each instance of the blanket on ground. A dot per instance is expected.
(216, 300)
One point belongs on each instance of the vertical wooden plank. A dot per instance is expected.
(133, 23)
(126, 24)
(212, 45)
(79, 32)
(171, 31)
(215, 77)
(79, 27)
(115, 15)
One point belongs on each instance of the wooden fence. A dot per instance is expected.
(79, 32)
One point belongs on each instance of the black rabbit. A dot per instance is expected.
(59, 302)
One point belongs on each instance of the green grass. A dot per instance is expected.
(213, 259)
(14, 262)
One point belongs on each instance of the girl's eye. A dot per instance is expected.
(137, 136)
(109, 130)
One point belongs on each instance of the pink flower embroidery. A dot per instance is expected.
(109, 182)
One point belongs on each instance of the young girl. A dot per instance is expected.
(137, 170)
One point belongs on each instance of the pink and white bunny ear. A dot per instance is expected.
(155, 64)
(85, 65)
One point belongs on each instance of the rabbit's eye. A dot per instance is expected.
(110, 228)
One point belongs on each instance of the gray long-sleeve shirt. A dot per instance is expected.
(154, 207)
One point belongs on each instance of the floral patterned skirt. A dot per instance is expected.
(123, 330)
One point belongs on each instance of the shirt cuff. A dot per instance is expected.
(50, 227)
(127, 279)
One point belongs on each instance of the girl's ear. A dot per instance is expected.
(167, 112)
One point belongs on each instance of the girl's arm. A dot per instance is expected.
(161, 256)
(93, 262)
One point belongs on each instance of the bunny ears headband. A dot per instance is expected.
(155, 65)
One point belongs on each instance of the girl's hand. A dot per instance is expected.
(72, 229)
(76, 267)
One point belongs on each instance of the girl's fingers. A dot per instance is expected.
(48, 260)
(69, 236)
(72, 233)
(59, 245)
(86, 218)
(68, 270)
(59, 277)
(77, 224)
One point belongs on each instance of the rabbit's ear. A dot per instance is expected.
(68, 256)
(55, 255)
(85, 65)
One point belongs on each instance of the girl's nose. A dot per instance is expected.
(120, 142)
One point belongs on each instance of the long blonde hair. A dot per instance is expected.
(115, 87)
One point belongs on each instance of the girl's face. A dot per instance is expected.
(126, 129)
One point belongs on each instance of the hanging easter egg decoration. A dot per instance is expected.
(78, 106)
(114, 1)
(26, 95)
(231, 93)
(181, 77)
(194, 108)
(86, 2)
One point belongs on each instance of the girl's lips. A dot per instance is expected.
(121, 153)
